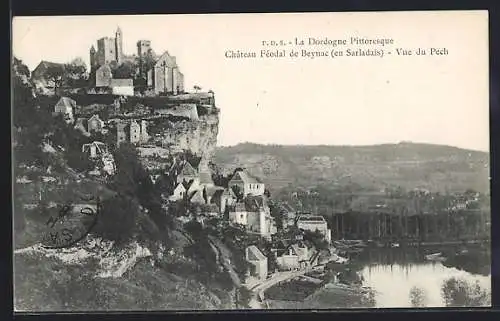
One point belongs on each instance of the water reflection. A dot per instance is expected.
(402, 277)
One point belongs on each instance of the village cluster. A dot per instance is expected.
(242, 202)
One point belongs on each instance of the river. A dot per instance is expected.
(403, 278)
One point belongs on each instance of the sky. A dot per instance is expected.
(329, 101)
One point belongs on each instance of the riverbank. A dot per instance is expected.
(337, 287)
(381, 277)
(326, 296)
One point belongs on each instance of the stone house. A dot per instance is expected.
(40, 76)
(122, 87)
(138, 133)
(255, 215)
(66, 106)
(95, 124)
(295, 255)
(95, 149)
(179, 192)
(103, 76)
(238, 214)
(165, 76)
(121, 132)
(314, 223)
(197, 197)
(258, 261)
(247, 183)
(192, 187)
(187, 173)
(135, 132)
(224, 198)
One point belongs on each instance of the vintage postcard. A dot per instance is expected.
(251, 161)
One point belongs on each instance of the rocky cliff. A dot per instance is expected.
(197, 136)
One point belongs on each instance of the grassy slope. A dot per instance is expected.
(45, 284)
(408, 165)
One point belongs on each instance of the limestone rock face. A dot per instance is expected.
(199, 137)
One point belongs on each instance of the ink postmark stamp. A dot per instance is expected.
(72, 222)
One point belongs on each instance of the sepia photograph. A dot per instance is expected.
(288, 161)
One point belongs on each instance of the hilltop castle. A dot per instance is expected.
(162, 74)
(108, 50)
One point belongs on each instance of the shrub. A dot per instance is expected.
(461, 293)
(244, 296)
(117, 218)
(79, 161)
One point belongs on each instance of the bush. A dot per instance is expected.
(79, 161)
(117, 218)
(461, 293)
(244, 296)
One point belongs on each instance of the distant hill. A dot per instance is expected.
(408, 165)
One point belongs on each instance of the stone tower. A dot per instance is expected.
(93, 58)
(143, 47)
(119, 45)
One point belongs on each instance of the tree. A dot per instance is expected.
(20, 68)
(117, 219)
(417, 297)
(79, 161)
(145, 63)
(196, 88)
(134, 181)
(459, 292)
(125, 71)
(75, 72)
(55, 74)
(238, 192)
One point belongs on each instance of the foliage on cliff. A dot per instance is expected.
(133, 184)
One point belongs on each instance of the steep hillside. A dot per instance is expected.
(408, 165)
(102, 242)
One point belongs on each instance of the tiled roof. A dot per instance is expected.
(254, 203)
(206, 178)
(181, 186)
(188, 170)
(311, 219)
(245, 177)
(48, 64)
(197, 197)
